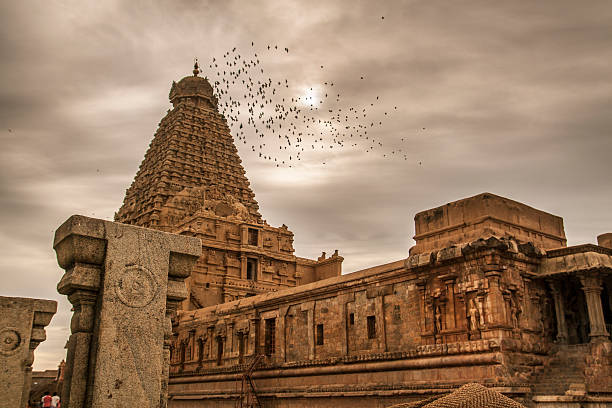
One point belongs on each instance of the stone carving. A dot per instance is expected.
(22, 329)
(474, 315)
(515, 311)
(10, 340)
(136, 286)
(438, 319)
(144, 269)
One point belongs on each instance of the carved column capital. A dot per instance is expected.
(130, 280)
(592, 287)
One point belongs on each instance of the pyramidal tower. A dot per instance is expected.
(191, 155)
(192, 182)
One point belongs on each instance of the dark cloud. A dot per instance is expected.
(514, 97)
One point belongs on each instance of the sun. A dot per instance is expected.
(310, 96)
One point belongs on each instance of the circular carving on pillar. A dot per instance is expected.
(10, 340)
(136, 287)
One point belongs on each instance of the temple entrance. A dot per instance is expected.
(576, 314)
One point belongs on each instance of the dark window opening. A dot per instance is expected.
(191, 346)
(352, 319)
(319, 334)
(253, 236)
(200, 350)
(371, 327)
(241, 340)
(251, 272)
(207, 285)
(270, 336)
(182, 352)
(219, 351)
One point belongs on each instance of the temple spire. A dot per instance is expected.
(191, 159)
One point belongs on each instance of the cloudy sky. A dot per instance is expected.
(515, 99)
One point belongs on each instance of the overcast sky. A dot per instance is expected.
(515, 98)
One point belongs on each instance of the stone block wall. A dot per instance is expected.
(413, 320)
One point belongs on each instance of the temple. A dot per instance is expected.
(192, 182)
(490, 293)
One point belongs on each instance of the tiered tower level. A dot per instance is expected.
(192, 182)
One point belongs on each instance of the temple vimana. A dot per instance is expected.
(208, 306)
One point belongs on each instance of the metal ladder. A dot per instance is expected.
(248, 395)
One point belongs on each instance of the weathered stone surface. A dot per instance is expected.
(484, 215)
(125, 283)
(22, 329)
(605, 240)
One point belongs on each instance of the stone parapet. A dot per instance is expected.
(482, 216)
(22, 329)
(124, 283)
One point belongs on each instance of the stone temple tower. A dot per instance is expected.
(192, 153)
(192, 182)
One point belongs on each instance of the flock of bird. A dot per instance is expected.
(266, 115)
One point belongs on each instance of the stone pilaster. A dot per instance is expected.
(380, 321)
(282, 333)
(22, 329)
(309, 308)
(495, 304)
(255, 329)
(125, 284)
(451, 315)
(423, 320)
(591, 286)
(211, 339)
(555, 288)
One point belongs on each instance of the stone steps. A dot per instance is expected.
(563, 372)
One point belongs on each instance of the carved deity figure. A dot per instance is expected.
(438, 319)
(473, 315)
(515, 311)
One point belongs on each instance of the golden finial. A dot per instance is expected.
(196, 67)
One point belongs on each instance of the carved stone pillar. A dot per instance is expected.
(495, 304)
(229, 338)
(591, 286)
(555, 288)
(209, 334)
(423, 320)
(255, 329)
(22, 329)
(125, 283)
